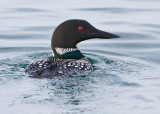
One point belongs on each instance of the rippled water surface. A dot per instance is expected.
(127, 79)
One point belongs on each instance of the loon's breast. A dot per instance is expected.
(48, 68)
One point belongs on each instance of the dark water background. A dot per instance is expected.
(128, 78)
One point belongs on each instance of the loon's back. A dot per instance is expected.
(48, 68)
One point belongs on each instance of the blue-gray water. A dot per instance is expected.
(128, 77)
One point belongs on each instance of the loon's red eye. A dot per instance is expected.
(80, 28)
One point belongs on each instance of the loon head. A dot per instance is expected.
(69, 33)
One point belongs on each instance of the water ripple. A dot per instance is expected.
(28, 10)
(117, 10)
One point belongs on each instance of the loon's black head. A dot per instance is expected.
(71, 32)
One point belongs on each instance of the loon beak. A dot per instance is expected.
(102, 34)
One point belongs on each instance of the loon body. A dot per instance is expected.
(68, 59)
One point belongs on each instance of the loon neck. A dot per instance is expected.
(67, 53)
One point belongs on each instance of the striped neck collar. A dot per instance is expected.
(62, 51)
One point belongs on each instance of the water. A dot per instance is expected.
(128, 76)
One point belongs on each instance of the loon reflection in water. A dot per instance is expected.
(68, 59)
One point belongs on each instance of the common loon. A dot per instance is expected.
(68, 59)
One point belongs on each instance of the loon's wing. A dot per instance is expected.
(34, 68)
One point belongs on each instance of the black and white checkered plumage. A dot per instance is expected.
(48, 68)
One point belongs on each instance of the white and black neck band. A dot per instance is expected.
(62, 51)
